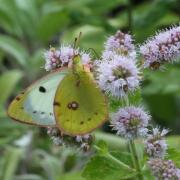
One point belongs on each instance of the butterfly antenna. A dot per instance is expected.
(75, 43)
(93, 50)
(77, 40)
(79, 37)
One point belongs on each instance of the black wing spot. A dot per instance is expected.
(21, 107)
(56, 104)
(78, 83)
(73, 105)
(18, 98)
(42, 112)
(82, 122)
(42, 89)
(69, 106)
(34, 112)
(51, 114)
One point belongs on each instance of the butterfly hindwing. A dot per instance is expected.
(79, 105)
(35, 105)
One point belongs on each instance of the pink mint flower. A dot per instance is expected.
(62, 57)
(164, 47)
(82, 142)
(52, 58)
(85, 58)
(163, 169)
(155, 144)
(118, 76)
(121, 44)
(130, 122)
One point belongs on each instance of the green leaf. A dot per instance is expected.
(174, 155)
(35, 62)
(148, 174)
(125, 157)
(158, 81)
(162, 107)
(170, 18)
(2, 111)
(148, 15)
(113, 141)
(52, 22)
(16, 129)
(8, 82)
(92, 37)
(71, 176)
(14, 48)
(28, 177)
(115, 104)
(100, 167)
(100, 7)
(173, 141)
(134, 98)
(12, 157)
(51, 165)
(5, 20)
(9, 11)
(29, 7)
(121, 20)
(103, 148)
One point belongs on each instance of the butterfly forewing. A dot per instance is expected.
(35, 105)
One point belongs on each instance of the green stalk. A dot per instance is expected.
(134, 154)
(130, 16)
(136, 159)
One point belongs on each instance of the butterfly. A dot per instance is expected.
(67, 98)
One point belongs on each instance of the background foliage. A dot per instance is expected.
(27, 28)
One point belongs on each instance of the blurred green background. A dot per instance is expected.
(28, 27)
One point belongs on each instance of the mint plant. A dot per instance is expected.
(119, 73)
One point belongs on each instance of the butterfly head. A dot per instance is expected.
(78, 66)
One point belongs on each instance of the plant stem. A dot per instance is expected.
(130, 17)
(136, 159)
(126, 100)
(117, 161)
